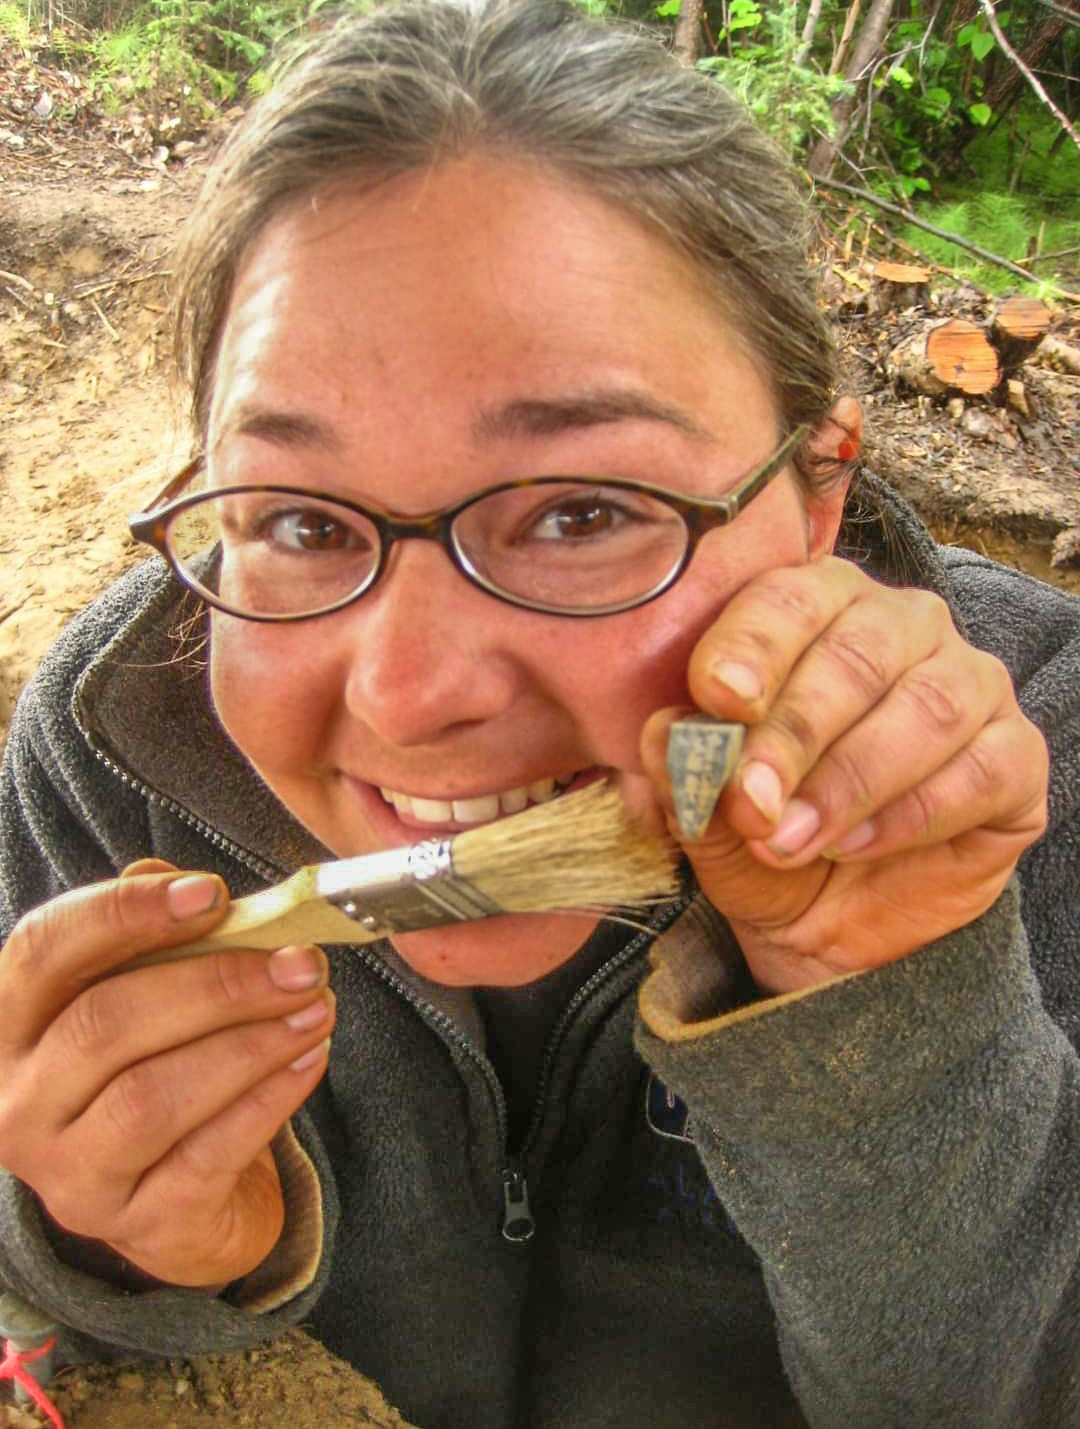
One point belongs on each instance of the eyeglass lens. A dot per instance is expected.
(573, 546)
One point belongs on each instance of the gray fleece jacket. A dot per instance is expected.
(857, 1207)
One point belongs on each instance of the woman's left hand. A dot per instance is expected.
(888, 782)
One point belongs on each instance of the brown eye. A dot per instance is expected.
(311, 530)
(579, 518)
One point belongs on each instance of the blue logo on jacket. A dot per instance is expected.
(667, 1114)
(677, 1186)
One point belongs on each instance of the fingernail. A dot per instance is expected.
(309, 1017)
(799, 824)
(856, 839)
(310, 1058)
(761, 785)
(191, 895)
(294, 969)
(744, 681)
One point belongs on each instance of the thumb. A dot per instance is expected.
(734, 880)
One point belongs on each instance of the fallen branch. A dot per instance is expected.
(1036, 85)
(1047, 257)
(19, 298)
(984, 253)
(105, 323)
(14, 278)
(81, 291)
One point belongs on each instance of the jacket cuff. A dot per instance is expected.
(876, 1035)
(291, 1266)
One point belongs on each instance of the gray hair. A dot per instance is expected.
(605, 103)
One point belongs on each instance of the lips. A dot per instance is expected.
(476, 809)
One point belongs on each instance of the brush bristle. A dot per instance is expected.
(581, 850)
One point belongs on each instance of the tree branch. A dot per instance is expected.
(909, 217)
(999, 35)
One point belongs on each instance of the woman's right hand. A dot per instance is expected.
(140, 1105)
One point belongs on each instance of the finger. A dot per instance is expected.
(133, 1016)
(932, 712)
(996, 785)
(211, 1241)
(55, 951)
(747, 654)
(209, 1161)
(152, 1106)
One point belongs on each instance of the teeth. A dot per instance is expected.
(476, 811)
(432, 811)
(479, 810)
(514, 800)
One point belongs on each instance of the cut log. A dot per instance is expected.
(1059, 355)
(1017, 328)
(950, 356)
(900, 285)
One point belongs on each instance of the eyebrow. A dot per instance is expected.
(542, 417)
(283, 429)
(526, 417)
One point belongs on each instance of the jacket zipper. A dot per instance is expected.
(518, 1225)
(270, 872)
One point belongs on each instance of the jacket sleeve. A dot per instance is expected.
(50, 842)
(901, 1147)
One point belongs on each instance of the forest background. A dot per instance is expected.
(949, 115)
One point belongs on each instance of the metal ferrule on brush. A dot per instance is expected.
(402, 890)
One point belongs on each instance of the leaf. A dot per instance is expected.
(940, 98)
(901, 76)
(982, 44)
(980, 114)
(669, 7)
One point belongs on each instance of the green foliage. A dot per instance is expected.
(190, 55)
(790, 101)
(15, 26)
(1002, 223)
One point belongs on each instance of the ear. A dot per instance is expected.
(834, 442)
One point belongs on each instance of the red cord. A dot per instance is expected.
(12, 1367)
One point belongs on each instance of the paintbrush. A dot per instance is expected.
(579, 852)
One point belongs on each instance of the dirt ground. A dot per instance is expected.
(90, 430)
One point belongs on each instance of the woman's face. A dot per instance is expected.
(414, 343)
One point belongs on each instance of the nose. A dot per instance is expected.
(429, 651)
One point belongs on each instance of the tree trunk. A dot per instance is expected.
(900, 285)
(950, 356)
(806, 39)
(1017, 328)
(688, 31)
(1010, 82)
(867, 48)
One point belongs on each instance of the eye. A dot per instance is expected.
(310, 530)
(582, 516)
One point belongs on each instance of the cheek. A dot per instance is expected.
(266, 691)
(629, 666)
(640, 664)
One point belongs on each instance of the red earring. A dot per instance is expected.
(847, 450)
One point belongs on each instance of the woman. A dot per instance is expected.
(830, 1178)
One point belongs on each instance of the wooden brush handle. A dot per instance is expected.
(290, 912)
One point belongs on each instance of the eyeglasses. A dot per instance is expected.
(562, 545)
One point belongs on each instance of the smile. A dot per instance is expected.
(481, 809)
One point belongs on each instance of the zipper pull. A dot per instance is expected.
(518, 1224)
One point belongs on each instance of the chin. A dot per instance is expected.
(507, 951)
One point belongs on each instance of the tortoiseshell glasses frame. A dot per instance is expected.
(698, 515)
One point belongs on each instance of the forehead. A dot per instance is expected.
(368, 314)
